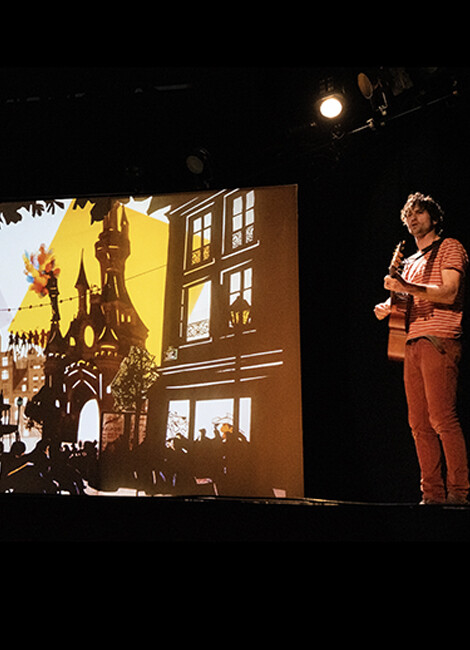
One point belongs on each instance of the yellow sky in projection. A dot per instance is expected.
(145, 272)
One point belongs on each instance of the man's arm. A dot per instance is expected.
(445, 294)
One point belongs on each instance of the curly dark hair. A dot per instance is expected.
(422, 202)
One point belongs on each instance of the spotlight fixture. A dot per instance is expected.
(331, 102)
(197, 161)
(366, 85)
(373, 89)
(381, 86)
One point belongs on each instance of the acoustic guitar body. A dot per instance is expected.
(398, 319)
(397, 330)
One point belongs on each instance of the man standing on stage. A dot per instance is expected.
(433, 278)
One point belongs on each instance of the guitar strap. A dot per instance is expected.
(435, 245)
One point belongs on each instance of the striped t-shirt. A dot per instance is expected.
(430, 318)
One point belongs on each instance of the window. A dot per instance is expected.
(245, 417)
(198, 308)
(201, 228)
(178, 419)
(241, 293)
(4, 374)
(214, 416)
(241, 283)
(211, 415)
(243, 220)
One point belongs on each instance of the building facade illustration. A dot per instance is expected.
(21, 378)
(230, 358)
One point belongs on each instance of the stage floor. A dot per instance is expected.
(31, 518)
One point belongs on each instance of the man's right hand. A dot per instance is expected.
(382, 310)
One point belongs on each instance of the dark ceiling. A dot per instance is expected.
(72, 130)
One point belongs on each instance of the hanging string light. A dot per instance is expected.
(94, 290)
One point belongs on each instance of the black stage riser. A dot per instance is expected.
(28, 518)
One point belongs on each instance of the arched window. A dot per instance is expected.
(89, 422)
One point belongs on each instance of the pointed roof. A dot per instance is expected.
(56, 343)
(124, 220)
(82, 281)
(110, 221)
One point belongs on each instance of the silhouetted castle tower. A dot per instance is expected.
(122, 322)
(82, 364)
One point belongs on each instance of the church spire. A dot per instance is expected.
(82, 287)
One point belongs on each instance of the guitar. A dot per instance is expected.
(398, 319)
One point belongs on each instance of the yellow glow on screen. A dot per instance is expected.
(145, 272)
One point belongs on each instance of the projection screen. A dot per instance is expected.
(150, 345)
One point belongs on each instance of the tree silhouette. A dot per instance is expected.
(11, 211)
(136, 374)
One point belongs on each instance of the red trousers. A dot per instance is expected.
(431, 377)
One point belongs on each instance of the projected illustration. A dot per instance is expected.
(150, 345)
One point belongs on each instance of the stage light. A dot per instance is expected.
(331, 101)
(367, 85)
(195, 164)
(197, 161)
(382, 86)
(331, 107)
(373, 89)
